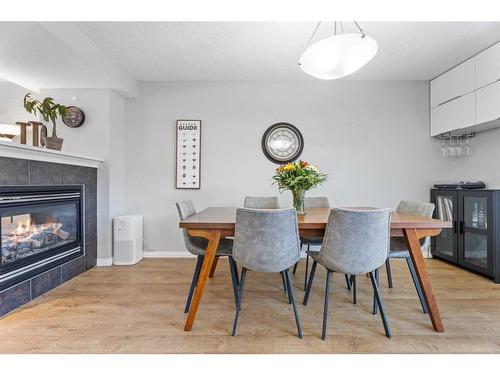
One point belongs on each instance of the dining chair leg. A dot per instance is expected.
(309, 284)
(389, 272)
(348, 281)
(413, 274)
(284, 283)
(307, 268)
(214, 266)
(292, 298)
(325, 309)
(234, 278)
(353, 283)
(296, 264)
(377, 279)
(238, 305)
(378, 298)
(196, 274)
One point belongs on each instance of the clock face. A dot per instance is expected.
(282, 143)
(74, 118)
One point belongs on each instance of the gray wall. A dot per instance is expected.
(371, 137)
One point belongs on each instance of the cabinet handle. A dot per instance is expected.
(462, 227)
(449, 100)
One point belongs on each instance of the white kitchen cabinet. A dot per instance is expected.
(454, 83)
(488, 103)
(456, 114)
(488, 66)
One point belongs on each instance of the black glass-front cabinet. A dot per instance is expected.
(474, 240)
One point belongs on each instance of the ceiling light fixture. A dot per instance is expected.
(338, 55)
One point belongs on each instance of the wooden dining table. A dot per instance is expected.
(215, 223)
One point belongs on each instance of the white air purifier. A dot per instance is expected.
(127, 239)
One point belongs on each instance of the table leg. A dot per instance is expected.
(213, 243)
(421, 270)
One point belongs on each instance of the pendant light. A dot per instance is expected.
(338, 55)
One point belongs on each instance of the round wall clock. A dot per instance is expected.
(74, 118)
(282, 143)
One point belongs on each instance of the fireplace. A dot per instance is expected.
(41, 227)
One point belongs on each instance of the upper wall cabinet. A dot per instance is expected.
(454, 83)
(459, 113)
(488, 66)
(466, 98)
(488, 103)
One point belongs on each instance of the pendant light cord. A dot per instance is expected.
(363, 34)
(312, 35)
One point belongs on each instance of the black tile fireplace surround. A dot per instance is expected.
(69, 246)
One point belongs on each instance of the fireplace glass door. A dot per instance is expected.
(35, 230)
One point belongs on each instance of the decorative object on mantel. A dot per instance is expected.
(282, 143)
(43, 135)
(188, 154)
(338, 55)
(456, 145)
(8, 132)
(74, 118)
(35, 130)
(49, 111)
(298, 177)
(23, 126)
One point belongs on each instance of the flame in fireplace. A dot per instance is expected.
(22, 228)
(28, 238)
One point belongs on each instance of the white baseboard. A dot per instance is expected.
(176, 254)
(185, 254)
(104, 262)
(168, 254)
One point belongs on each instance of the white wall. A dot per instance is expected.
(484, 162)
(11, 103)
(371, 137)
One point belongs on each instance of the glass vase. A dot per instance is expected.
(298, 201)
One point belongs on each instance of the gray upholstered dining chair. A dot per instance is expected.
(311, 202)
(264, 203)
(197, 247)
(261, 202)
(399, 248)
(356, 242)
(266, 241)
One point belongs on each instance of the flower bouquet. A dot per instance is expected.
(298, 177)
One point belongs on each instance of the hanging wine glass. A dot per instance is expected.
(444, 148)
(452, 151)
(468, 147)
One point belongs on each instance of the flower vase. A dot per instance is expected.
(298, 201)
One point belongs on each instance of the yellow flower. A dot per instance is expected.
(289, 167)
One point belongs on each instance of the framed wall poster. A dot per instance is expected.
(188, 154)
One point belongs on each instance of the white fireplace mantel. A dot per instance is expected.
(18, 151)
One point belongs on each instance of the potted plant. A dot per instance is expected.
(298, 177)
(49, 111)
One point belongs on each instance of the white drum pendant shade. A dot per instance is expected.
(338, 56)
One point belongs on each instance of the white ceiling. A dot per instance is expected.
(32, 57)
(207, 51)
(118, 54)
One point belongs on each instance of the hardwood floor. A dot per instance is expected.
(139, 309)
